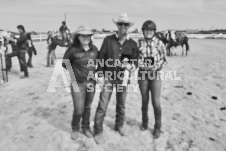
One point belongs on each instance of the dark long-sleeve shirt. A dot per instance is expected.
(112, 50)
(63, 28)
(22, 42)
(81, 62)
(50, 42)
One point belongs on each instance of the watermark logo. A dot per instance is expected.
(59, 71)
(122, 75)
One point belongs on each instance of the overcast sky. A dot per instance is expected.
(44, 15)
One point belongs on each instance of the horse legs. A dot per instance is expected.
(186, 46)
(167, 51)
(172, 51)
(175, 51)
(182, 46)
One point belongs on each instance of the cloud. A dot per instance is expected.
(216, 7)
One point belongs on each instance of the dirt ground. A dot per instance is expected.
(32, 119)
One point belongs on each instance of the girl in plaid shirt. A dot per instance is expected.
(152, 58)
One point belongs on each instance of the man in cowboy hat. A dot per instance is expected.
(113, 48)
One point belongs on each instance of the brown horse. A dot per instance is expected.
(162, 36)
(59, 39)
(177, 39)
(182, 40)
(53, 41)
(172, 39)
(168, 41)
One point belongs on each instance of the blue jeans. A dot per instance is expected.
(22, 59)
(153, 86)
(82, 101)
(105, 97)
(51, 56)
(29, 62)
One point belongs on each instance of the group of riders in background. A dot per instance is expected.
(63, 38)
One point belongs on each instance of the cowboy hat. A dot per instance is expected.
(84, 30)
(123, 18)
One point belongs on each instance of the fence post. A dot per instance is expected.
(40, 37)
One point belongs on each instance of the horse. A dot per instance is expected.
(59, 39)
(176, 39)
(166, 38)
(182, 40)
(162, 36)
(54, 40)
(172, 39)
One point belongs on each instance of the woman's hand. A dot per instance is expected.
(157, 67)
(129, 67)
(148, 68)
(100, 81)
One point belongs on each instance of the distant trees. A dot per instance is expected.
(217, 31)
(135, 31)
(94, 30)
(105, 31)
(33, 33)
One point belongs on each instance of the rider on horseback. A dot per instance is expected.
(63, 30)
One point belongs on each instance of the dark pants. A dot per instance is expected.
(51, 56)
(22, 58)
(105, 97)
(154, 86)
(29, 62)
(9, 59)
(82, 101)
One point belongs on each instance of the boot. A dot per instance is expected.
(74, 135)
(87, 133)
(122, 131)
(99, 138)
(156, 133)
(25, 76)
(144, 127)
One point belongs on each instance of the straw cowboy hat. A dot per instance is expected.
(123, 18)
(84, 30)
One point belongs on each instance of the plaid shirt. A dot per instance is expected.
(155, 49)
(112, 49)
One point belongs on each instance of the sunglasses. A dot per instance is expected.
(85, 36)
(123, 24)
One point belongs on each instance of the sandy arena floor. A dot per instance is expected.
(32, 119)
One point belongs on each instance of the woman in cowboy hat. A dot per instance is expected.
(79, 54)
(152, 54)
